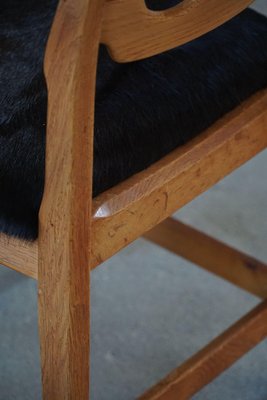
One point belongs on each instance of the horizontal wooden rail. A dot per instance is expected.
(131, 208)
(236, 267)
(127, 211)
(208, 363)
(20, 255)
(132, 32)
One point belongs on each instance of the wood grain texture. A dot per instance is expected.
(133, 32)
(22, 256)
(73, 236)
(64, 227)
(208, 363)
(128, 210)
(236, 267)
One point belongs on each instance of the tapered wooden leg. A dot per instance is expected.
(64, 239)
(64, 330)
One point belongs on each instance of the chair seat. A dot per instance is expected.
(144, 109)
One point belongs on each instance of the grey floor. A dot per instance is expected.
(150, 309)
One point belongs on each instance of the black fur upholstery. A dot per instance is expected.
(143, 109)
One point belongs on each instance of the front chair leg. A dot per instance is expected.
(63, 299)
(64, 239)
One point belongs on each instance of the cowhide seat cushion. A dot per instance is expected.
(144, 109)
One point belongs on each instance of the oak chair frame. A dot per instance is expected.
(77, 233)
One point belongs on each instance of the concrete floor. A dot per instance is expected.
(150, 309)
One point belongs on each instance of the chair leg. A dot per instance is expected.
(63, 299)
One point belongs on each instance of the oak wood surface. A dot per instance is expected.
(238, 268)
(132, 32)
(64, 219)
(74, 236)
(131, 208)
(218, 355)
(20, 255)
(127, 211)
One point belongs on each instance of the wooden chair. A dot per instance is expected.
(77, 233)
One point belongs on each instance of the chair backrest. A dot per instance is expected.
(131, 31)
